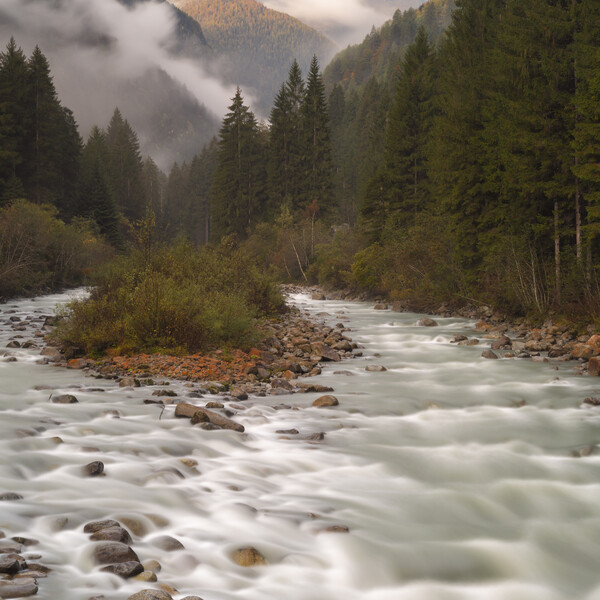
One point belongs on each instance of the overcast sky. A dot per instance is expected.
(345, 21)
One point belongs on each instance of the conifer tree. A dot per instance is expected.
(154, 187)
(96, 200)
(125, 167)
(201, 174)
(237, 197)
(318, 165)
(15, 123)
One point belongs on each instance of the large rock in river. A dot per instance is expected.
(106, 553)
(325, 352)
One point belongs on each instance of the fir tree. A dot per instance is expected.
(316, 141)
(125, 167)
(237, 197)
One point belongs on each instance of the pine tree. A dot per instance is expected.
(125, 167)
(587, 125)
(96, 200)
(15, 123)
(201, 174)
(237, 197)
(154, 187)
(279, 166)
(316, 141)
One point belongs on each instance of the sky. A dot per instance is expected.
(345, 21)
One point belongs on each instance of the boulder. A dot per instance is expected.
(380, 306)
(13, 344)
(318, 296)
(248, 557)
(52, 354)
(107, 553)
(426, 322)
(306, 388)
(184, 410)
(129, 382)
(151, 595)
(125, 570)
(12, 563)
(77, 363)
(94, 469)
(502, 342)
(489, 354)
(325, 401)
(325, 352)
(94, 526)
(167, 543)
(582, 351)
(64, 399)
(594, 366)
(10, 496)
(471, 342)
(18, 588)
(112, 534)
(375, 368)
(594, 342)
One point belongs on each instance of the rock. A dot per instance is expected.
(153, 565)
(20, 588)
(192, 598)
(147, 576)
(248, 557)
(426, 323)
(325, 352)
(582, 351)
(106, 553)
(167, 543)
(94, 526)
(594, 343)
(288, 431)
(129, 382)
(380, 306)
(238, 394)
(594, 366)
(202, 415)
(313, 387)
(64, 399)
(459, 338)
(213, 405)
(165, 393)
(184, 410)
(13, 344)
(76, 363)
(125, 570)
(317, 296)
(335, 529)
(280, 383)
(94, 469)
(325, 401)
(52, 354)
(25, 541)
(375, 369)
(489, 354)
(12, 563)
(151, 595)
(345, 373)
(501, 343)
(10, 496)
(471, 342)
(112, 534)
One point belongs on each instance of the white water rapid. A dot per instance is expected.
(459, 478)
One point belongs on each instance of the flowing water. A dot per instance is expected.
(458, 477)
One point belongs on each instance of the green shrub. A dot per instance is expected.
(176, 299)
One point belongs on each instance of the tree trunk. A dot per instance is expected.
(557, 272)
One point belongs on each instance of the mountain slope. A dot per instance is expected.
(379, 53)
(256, 44)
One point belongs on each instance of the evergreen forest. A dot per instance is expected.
(452, 157)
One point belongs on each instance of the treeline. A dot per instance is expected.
(488, 184)
(44, 160)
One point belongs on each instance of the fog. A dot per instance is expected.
(103, 54)
(344, 21)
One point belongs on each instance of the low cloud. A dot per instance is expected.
(99, 48)
(345, 21)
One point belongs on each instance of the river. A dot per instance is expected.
(458, 477)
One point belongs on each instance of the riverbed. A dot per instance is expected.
(457, 477)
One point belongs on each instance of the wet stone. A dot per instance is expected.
(12, 563)
(21, 588)
(125, 570)
(426, 323)
(112, 534)
(94, 469)
(325, 401)
(248, 557)
(94, 526)
(146, 576)
(25, 541)
(151, 595)
(375, 369)
(64, 399)
(106, 553)
(288, 431)
(168, 543)
(489, 354)
(10, 496)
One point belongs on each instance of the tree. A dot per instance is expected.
(237, 196)
(316, 141)
(125, 167)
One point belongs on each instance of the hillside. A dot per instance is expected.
(381, 50)
(256, 45)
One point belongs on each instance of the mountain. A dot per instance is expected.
(146, 57)
(254, 45)
(378, 55)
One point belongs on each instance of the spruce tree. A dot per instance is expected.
(125, 167)
(316, 142)
(15, 122)
(237, 196)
